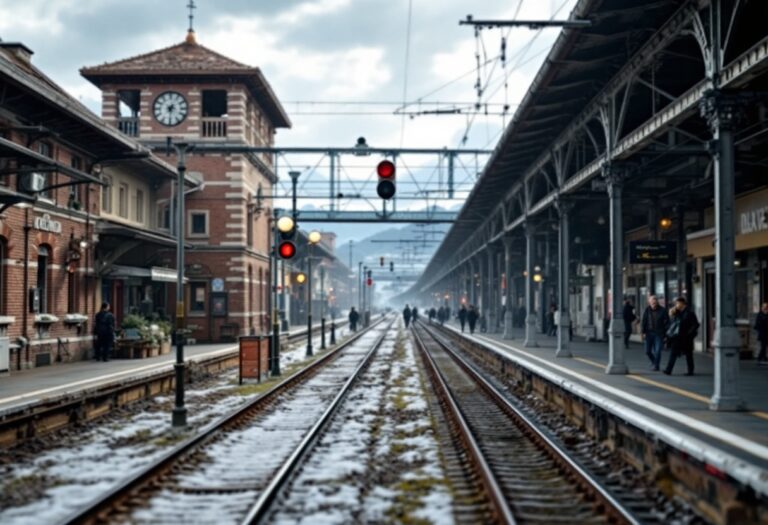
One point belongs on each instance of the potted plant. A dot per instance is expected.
(135, 338)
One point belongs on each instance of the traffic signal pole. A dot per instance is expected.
(275, 308)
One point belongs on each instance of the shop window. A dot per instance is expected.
(75, 200)
(106, 195)
(198, 223)
(44, 148)
(72, 290)
(197, 300)
(122, 200)
(139, 206)
(43, 259)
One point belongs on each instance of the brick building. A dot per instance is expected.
(54, 154)
(192, 94)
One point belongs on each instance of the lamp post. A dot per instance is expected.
(314, 238)
(179, 415)
(322, 307)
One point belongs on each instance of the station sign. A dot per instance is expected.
(581, 280)
(652, 252)
(46, 224)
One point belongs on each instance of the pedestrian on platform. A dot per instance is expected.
(483, 322)
(555, 321)
(629, 317)
(414, 314)
(354, 317)
(447, 313)
(462, 317)
(761, 325)
(551, 327)
(407, 315)
(104, 330)
(432, 314)
(521, 315)
(682, 331)
(472, 318)
(654, 327)
(441, 315)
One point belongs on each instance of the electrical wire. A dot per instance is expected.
(405, 73)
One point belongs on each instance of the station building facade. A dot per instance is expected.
(187, 93)
(56, 246)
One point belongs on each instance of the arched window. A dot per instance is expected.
(3, 287)
(72, 288)
(43, 259)
(261, 299)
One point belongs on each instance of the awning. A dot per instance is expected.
(26, 155)
(154, 273)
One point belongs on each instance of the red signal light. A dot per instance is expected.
(286, 249)
(385, 169)
(370, 281)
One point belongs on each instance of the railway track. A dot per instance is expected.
(217, 475)
(526, 476)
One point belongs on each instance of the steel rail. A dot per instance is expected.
(263, 504)
(615, 510)
(488, 478)
(97, 510)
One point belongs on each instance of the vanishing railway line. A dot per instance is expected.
(233, 468)
(526, 476)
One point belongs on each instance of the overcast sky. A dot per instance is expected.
(314, 51)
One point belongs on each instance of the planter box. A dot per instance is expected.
(132, 349)
(154, 351)
(165, 347)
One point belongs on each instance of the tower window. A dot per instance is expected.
(214, 103)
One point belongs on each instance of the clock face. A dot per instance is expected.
(170, 108)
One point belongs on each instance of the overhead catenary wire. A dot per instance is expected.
(405, 67)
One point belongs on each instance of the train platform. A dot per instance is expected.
(674, 408)
(26, 388)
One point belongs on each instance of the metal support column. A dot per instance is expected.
(508, 302)
(493, 286)
(530, 315)
(720, 110)
(563, 282)
(616, 362)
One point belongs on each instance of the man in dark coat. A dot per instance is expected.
(472, 318)
(407, 315)
(441, 315)
(354, 317)
(682, 341)
(104, 330)
(654, 328)
(629, 317)
(761, 325)
(462, 317)
(432, 313)
(415, 314)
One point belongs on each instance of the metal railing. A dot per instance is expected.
(214, 126)
(128, 126)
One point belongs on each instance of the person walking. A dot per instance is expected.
(354, 317)
(629, 317)
(462, 317)
(472, 318)
(431, 314)
(681, 332)
(761, 325)
(415, 314)
(441, 315)
(551, 320)
(654, 327)
(555, 321)
(104, 330)
(407, 315)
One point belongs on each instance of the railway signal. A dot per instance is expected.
(287, 228)
(386, 172)
(391, 266)
(381, 261)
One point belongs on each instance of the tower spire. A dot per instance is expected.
(191, 31)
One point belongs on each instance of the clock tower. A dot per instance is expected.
(193, 94)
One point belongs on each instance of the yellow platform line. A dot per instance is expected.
(669, 388)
